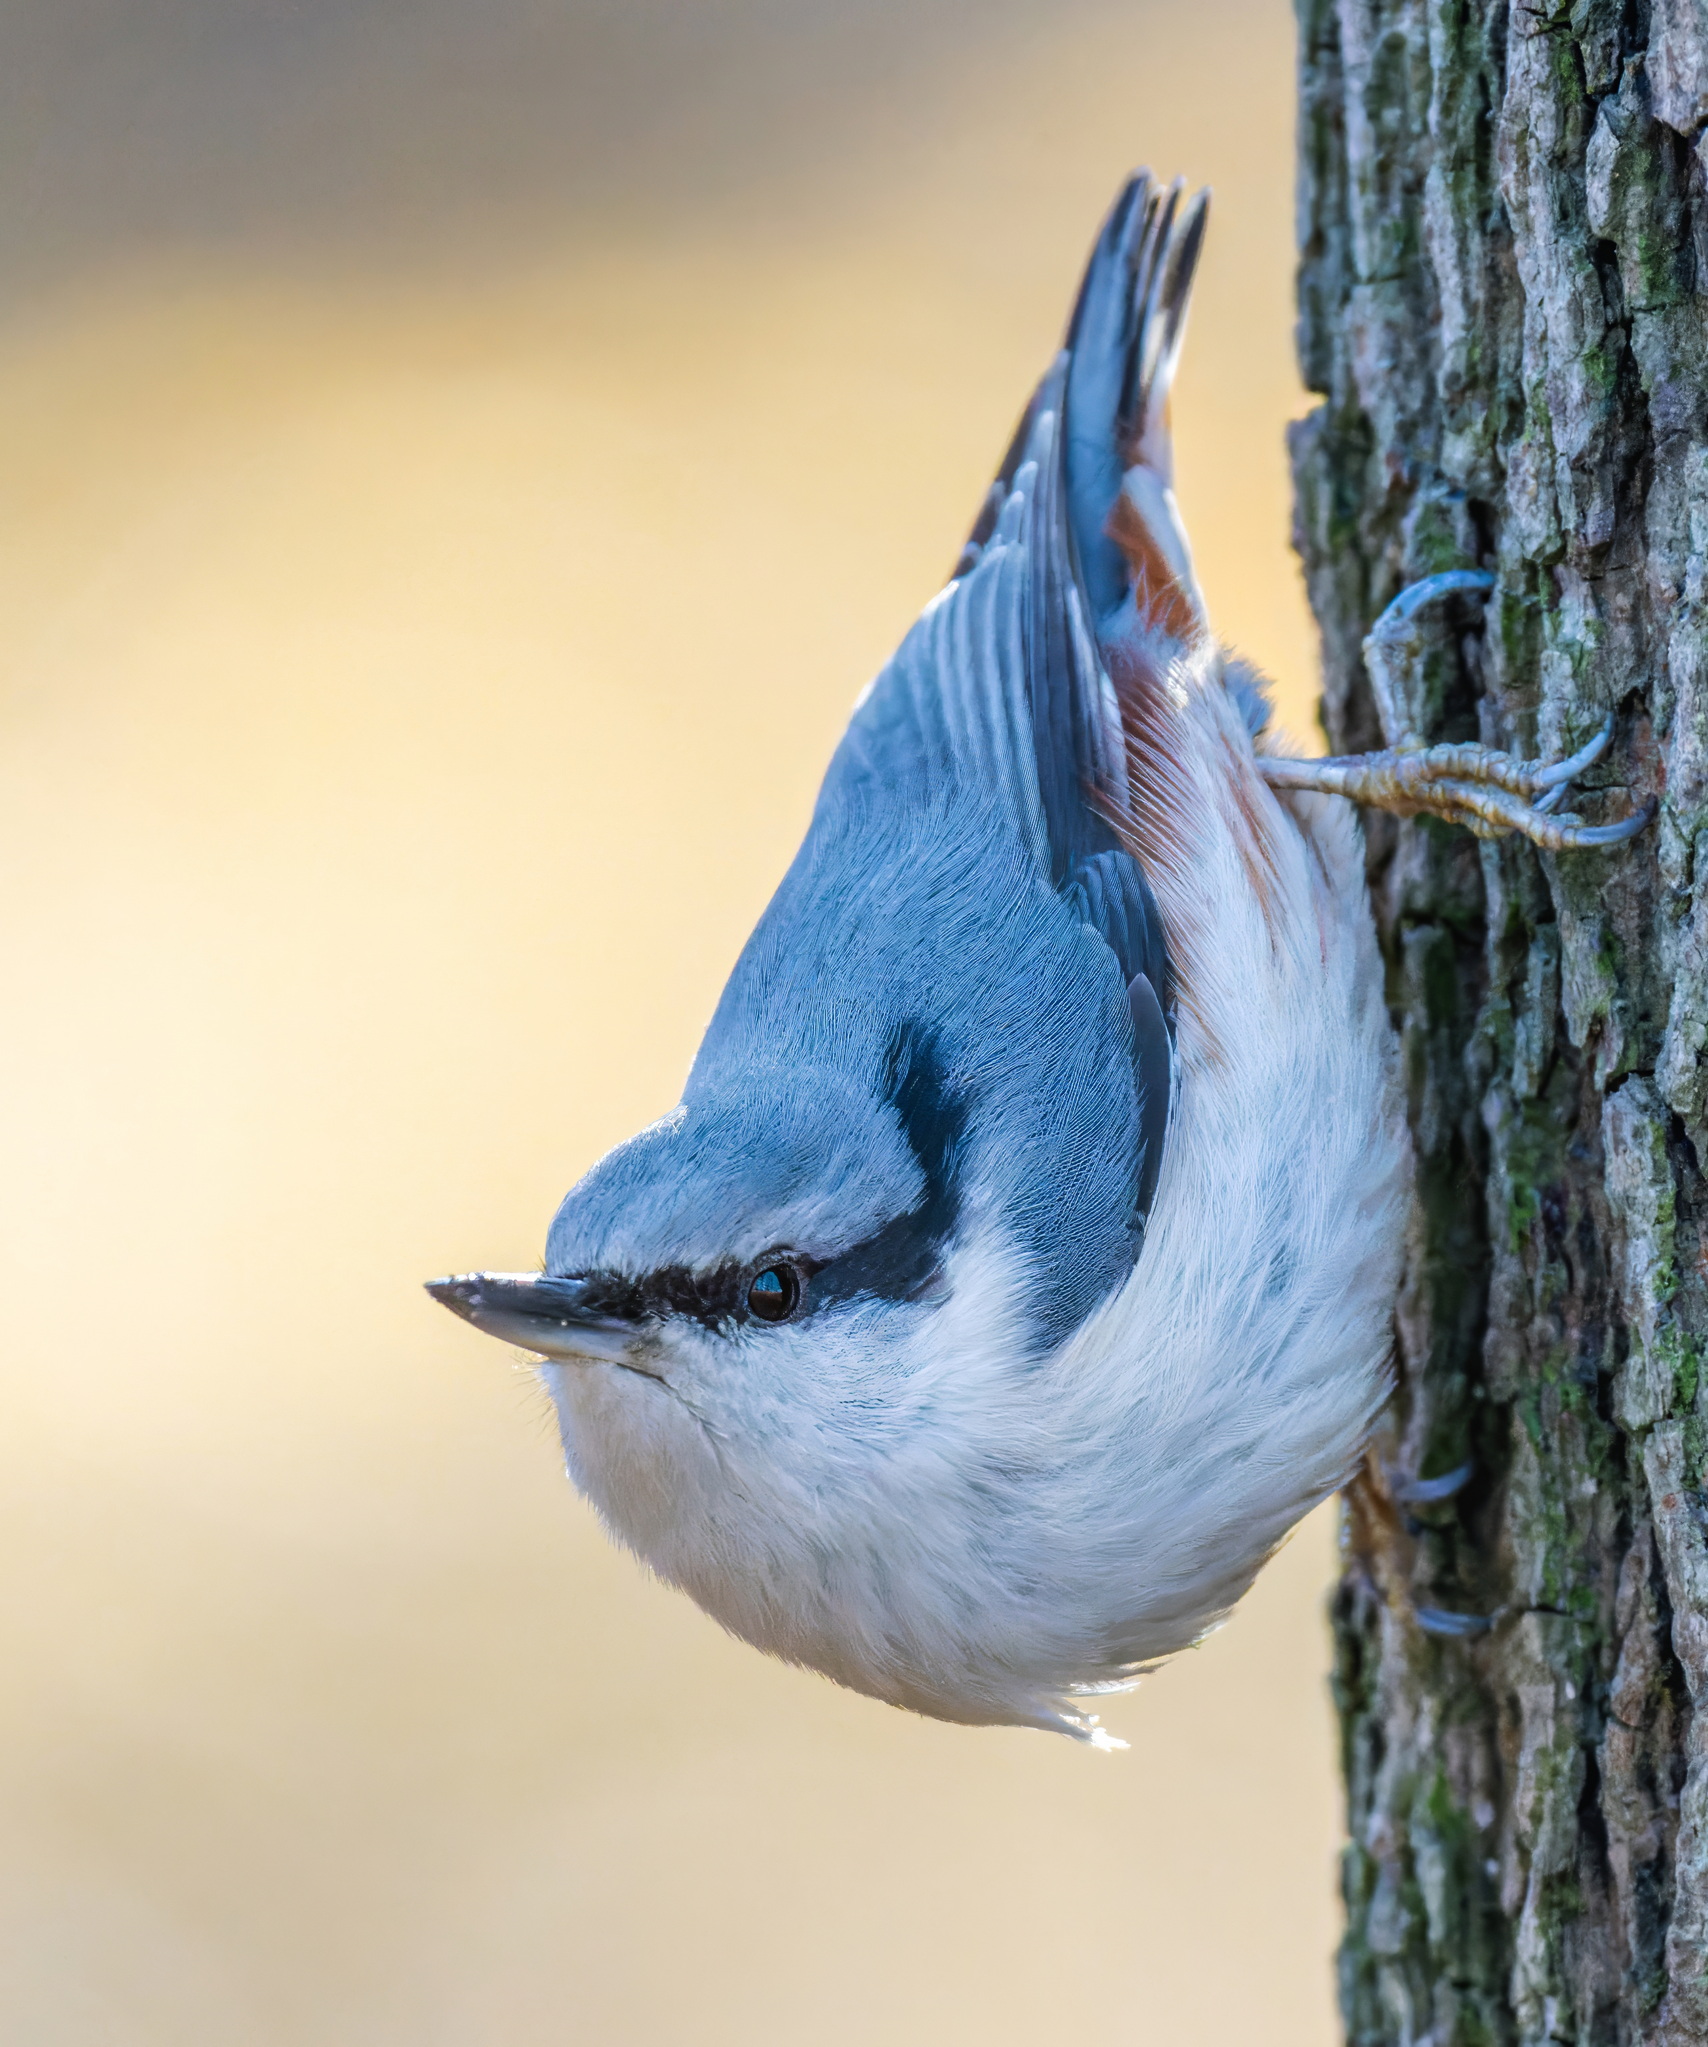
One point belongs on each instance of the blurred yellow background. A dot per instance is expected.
(458, 463)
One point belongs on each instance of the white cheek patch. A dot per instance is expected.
(636, 1449)
(810, 1462)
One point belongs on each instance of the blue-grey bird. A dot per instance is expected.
(1017, 1266)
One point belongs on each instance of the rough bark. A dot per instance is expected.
(1504, 229)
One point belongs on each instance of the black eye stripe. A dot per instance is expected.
(898, 1262)
(714, 1299)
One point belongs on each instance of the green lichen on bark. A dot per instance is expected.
(1504, 309)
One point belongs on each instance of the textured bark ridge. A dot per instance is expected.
(1504, 220)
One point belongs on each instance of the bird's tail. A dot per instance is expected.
(1123, 344)
(1111, 382)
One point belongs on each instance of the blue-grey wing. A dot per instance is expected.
(1003, 686)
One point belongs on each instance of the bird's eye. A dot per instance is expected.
(775, 1293)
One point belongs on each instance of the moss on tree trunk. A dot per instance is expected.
(1504, 224)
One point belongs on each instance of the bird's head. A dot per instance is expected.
(795, 1330)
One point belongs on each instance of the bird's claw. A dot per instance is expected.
(1427, 1492)
(1451, 1627)
(1555, 778)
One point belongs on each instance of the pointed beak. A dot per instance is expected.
(550, 1316)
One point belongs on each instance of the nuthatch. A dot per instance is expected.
(1016, 1269)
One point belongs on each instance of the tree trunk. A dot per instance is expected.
(1505, 251)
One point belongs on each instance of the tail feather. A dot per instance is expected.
(1124, 343)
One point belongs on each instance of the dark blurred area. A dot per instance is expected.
(209, 122)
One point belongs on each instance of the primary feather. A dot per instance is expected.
(1056, 1082)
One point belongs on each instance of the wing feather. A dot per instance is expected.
(1075, 587)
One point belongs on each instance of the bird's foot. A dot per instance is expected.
(1384, 1535)
(1489, 792)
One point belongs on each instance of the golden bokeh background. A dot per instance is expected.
(458, 462)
